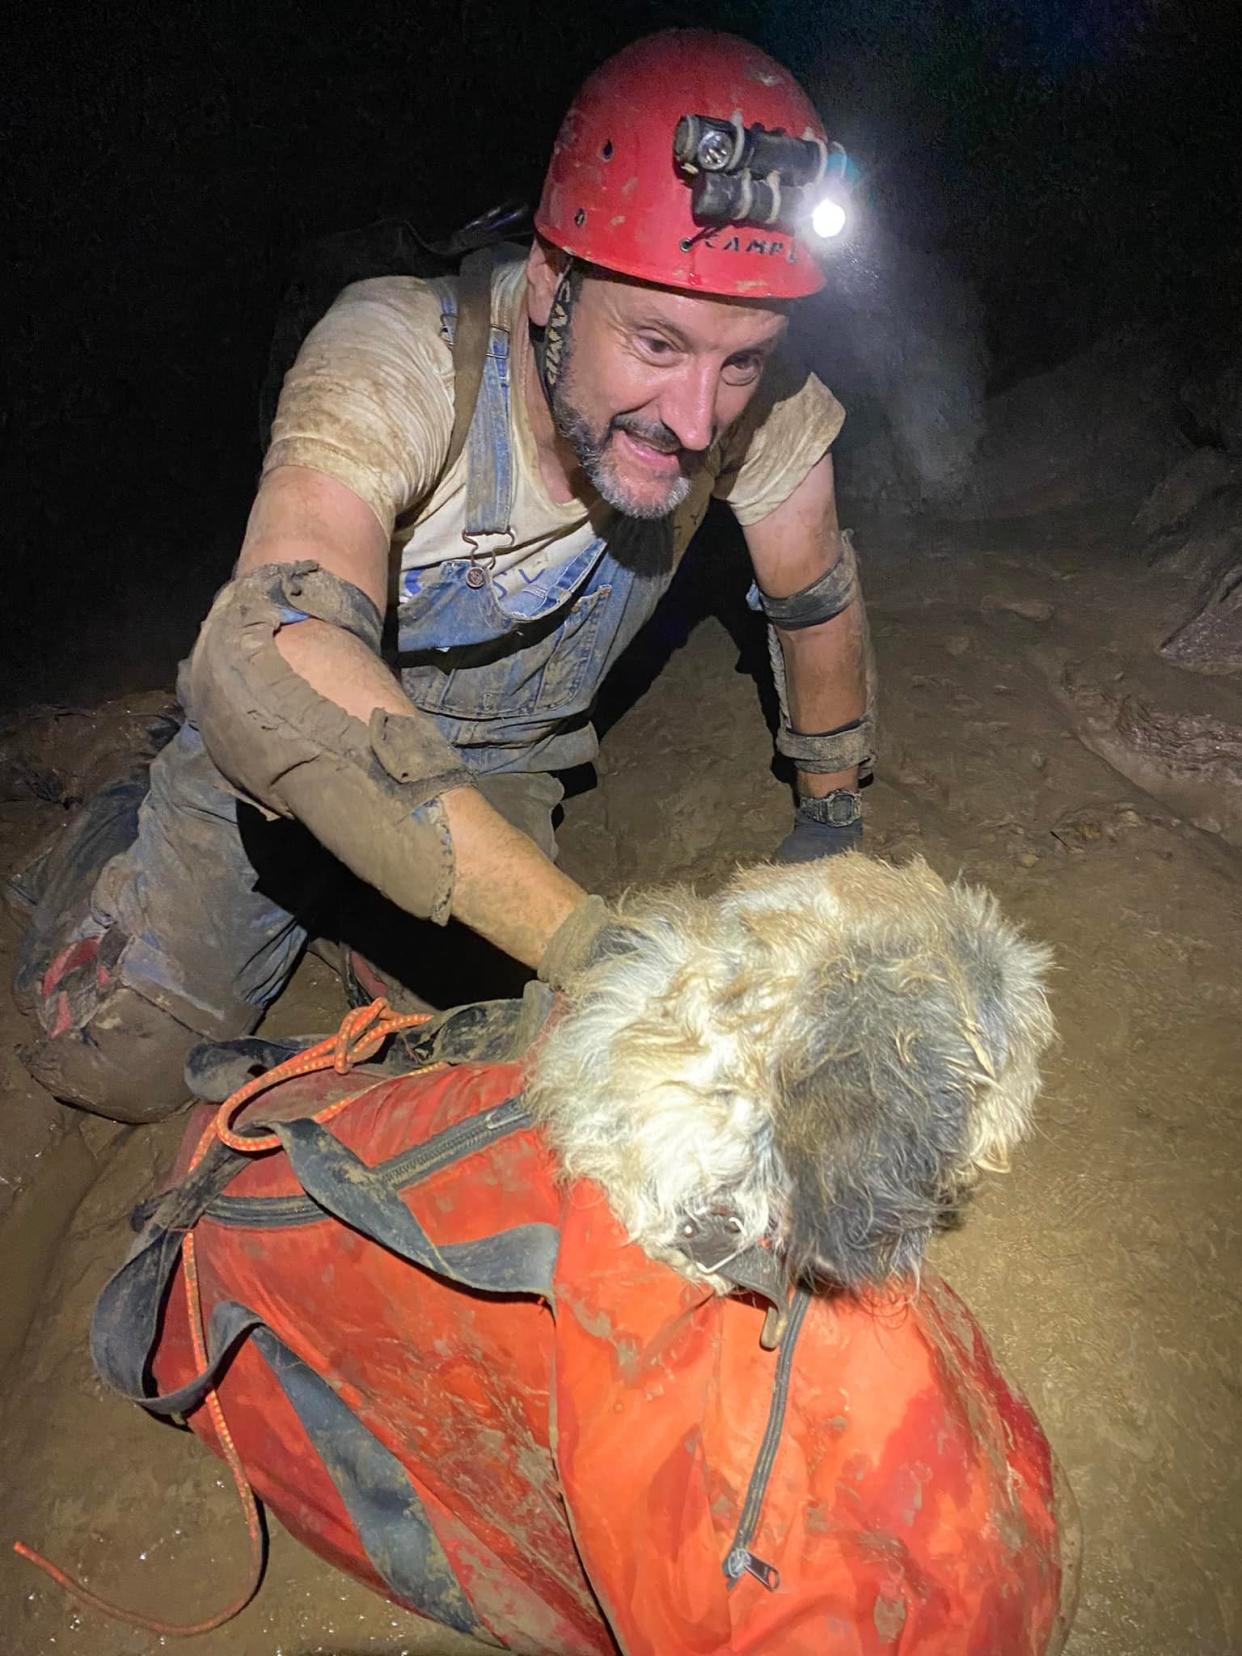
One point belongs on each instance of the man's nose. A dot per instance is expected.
(688, 407)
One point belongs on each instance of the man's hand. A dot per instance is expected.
(574, 945)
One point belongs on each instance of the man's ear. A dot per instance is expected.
(544, 266)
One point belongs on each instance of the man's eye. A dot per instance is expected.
(655, 345)
(740, 370)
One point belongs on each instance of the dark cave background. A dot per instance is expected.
(1076, 163)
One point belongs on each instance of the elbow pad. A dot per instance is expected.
(828, 596)
(368, 792)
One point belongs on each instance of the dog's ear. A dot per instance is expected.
(914, 1066)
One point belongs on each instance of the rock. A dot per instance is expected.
(1193, 526)
(1099, 426)
(1189, 758)
(1214, 398)
(1095, 824)
(898, 335)
(1183, 490)
(1211, 641)
(1202, 543)
(1030, 609)
(957, 644)
(1192, 742)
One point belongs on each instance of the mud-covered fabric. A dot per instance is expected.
(616, 1461)
(816, 603)
(507, 661)
(504, 637)
(368, 792)
(484, 1032)
(571, 945)
(170, 912)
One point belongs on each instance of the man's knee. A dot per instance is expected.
(126, 1062)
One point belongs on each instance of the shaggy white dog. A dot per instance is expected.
(827, 1054)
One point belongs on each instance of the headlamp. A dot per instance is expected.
(749, 175)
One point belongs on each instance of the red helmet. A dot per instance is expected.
(615, 195)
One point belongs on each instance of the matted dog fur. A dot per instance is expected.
(829, 1052)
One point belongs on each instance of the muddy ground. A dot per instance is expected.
(1105, 1267)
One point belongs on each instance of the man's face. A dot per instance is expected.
(649, 379)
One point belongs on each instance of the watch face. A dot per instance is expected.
(838, 809)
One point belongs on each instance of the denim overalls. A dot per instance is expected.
(508, 668)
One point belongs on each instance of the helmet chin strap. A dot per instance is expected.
(551, 341)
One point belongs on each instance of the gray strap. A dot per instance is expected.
(825, 751)
(128, 1314)
(470, 341)
(303, 589)
(825, 598)
(377, 1491)
(854, 743)
(572, 946)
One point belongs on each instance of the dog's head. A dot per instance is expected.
(831, 1053)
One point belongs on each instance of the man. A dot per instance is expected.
(632, 370)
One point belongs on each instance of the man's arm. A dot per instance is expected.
(791, 549)
(503, 886)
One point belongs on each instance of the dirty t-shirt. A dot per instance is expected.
(369, 401)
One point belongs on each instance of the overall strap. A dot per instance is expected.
(470, 341)
(480, 398)
(480, 404)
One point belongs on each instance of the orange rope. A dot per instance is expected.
(363, 1031)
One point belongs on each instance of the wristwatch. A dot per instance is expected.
(837, 809)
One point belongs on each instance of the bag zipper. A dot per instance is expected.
(740, 1560)
(419, 1162)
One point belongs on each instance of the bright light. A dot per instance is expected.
(828, 218)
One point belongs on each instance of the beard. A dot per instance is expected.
(593, 446)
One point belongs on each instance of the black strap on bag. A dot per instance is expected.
(127, 1318)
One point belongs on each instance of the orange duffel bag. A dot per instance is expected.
(448, 1372)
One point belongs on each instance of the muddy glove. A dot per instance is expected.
(572, 945)
(822, 827)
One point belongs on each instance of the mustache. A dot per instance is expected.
(658, 436)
